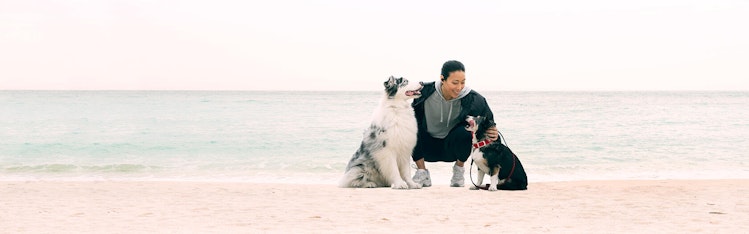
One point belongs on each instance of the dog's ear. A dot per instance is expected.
(490, 123)
(391, 87)
(478, 120)
(390, 82)
(481, 126)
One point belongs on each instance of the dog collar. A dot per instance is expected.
(481, 143)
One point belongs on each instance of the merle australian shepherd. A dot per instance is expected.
(495, 159)
(384, 156)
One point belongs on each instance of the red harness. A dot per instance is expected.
(481, 143)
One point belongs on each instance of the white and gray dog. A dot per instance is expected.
(384, 157)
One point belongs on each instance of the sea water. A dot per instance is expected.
(309, 137)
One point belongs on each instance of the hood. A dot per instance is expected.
(439, 112)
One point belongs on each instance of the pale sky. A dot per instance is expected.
(356, 45)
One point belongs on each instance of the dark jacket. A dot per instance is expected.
(472, 104)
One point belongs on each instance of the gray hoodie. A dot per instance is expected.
(441, 114)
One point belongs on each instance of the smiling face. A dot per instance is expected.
(454, 83)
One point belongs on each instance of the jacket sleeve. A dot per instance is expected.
(486, 109)
(481, 107)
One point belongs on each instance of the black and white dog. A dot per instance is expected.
(495, 159)
(384, 157)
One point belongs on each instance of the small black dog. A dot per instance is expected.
(495, 159)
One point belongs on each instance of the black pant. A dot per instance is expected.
(455, 146)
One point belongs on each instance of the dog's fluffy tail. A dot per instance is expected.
(356, 177)
(350, 179)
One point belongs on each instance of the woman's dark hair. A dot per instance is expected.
(451, 66)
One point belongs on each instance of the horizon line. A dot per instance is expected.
(361, 90)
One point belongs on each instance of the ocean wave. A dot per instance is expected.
(72, 168)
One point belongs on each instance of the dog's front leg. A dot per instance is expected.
(404, 168)
(387, 166)
(479, 179)
(390, 171)
(494, 182)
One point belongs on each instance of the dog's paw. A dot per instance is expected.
(369, 184)
(413, 185)
(493, 187)
(399, 185)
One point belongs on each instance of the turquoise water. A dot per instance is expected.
(308, 137)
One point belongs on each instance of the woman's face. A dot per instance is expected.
(453, 85)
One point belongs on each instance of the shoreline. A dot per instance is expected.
(626, 206)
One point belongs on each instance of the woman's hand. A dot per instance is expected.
(492, 133)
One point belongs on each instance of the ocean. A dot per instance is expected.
(309, 136)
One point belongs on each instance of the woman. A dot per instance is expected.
(440, 114)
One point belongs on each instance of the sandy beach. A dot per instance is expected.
(659, 206)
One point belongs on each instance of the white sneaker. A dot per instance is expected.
(458, 179)
(422, 177)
